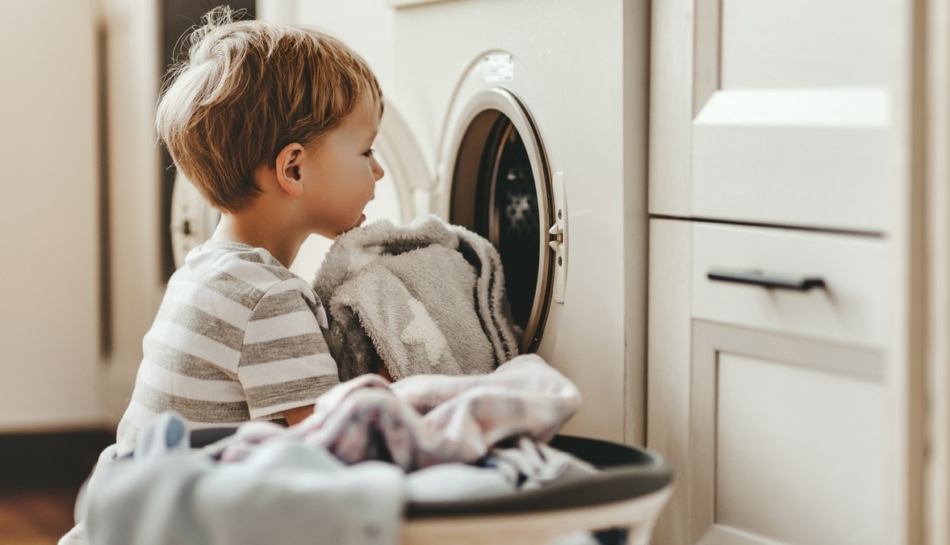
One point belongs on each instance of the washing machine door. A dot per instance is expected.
(193, 220)
(501, 188)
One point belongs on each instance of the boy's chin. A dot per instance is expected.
(358, 223)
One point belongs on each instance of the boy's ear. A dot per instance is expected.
(288, 168)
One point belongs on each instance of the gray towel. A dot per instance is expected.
(424, 298)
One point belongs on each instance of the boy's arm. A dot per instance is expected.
(285, 359)
(297, 414)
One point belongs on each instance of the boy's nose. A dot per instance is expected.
(378, 171)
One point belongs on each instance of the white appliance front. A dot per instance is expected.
(571, 77)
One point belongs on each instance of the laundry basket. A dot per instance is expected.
(628, 493)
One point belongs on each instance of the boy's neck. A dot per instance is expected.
(260, 232)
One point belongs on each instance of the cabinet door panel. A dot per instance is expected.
(793, 157)
(798, 43)
(779, 112)
(787, 439)
(796, 444)
(792, 120)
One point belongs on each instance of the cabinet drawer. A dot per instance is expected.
(850, 308)
(799, 126)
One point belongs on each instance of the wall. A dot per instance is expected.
(50, 365)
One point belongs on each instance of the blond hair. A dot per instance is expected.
(247, 90)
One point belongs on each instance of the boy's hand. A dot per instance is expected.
(297, 414)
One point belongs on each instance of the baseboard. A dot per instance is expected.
(50, 459)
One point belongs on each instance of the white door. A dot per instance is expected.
(50, 373)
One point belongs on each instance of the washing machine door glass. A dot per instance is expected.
(501, 191)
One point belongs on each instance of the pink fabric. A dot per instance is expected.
(425, 419)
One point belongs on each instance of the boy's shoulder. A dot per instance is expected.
(236, 266)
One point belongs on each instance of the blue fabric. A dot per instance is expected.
(165, 433)
(284, 493)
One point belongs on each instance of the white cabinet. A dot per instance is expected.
(779, 159)
(771, 403)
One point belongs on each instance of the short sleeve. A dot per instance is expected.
(285, 362)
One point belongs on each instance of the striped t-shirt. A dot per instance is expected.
(237, 337)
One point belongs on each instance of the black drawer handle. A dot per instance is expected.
(760, 278)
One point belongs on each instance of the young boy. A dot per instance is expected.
(274, 125)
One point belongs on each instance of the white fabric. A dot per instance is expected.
(425, 420)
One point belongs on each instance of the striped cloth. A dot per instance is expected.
(237, 337)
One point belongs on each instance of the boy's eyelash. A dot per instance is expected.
(370, 152)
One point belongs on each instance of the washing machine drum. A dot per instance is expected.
(501, 191)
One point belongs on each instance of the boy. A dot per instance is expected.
(274, 126)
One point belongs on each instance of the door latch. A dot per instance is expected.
(559, 232)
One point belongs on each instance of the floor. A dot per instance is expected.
(39, 479)
(36, 517)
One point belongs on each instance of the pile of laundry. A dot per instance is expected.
(467, 418)
(345, 474)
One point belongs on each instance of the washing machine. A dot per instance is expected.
(525, 121)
